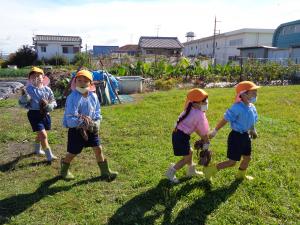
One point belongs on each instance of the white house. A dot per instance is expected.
(48, 46)
(227, 44)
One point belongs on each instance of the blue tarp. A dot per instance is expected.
(111, 82)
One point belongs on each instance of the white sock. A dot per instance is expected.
(49, 154)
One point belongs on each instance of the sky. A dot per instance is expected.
(120, 22)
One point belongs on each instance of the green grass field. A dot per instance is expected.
(137, 141)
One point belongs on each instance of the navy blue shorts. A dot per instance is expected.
(181, 143)
(76, 142)
(37, 121)
(238, 144)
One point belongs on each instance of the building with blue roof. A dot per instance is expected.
(103, 50)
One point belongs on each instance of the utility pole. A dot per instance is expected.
(214, 41)
(155, 57)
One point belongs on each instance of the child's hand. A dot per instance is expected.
(212, 133)
(23, 92)
(87, 120)
(24, 95)
(94, 126)
(253, 134)
(49, 108)
(43, 103)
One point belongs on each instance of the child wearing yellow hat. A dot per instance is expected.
(82, 116)
(38, 98)
(242, 117)
(192, 119)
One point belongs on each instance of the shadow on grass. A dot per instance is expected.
(15, 205)
(12, 164)
(159, 201)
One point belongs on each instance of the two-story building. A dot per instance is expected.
(227, 44)
(48, 46)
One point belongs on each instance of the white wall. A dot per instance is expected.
(53, 49)
(227, 44)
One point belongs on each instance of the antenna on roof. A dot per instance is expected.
(33, 30)
(157, 30)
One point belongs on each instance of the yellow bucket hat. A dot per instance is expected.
(85, 73)
(35, 69)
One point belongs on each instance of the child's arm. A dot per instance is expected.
(51, 102)
(71, 117)
(24, 99)
(97, 110)
(94, 126)
(221, 124)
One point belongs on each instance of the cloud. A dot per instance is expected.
(123, 22)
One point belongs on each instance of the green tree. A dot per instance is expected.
(24, 56)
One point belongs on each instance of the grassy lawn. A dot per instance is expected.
(137, 141)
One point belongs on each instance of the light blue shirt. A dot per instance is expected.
(241, 117)
(77, 105)
(38, 94)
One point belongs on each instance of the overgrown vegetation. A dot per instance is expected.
(252, 70)
(14, 72)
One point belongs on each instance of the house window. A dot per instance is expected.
(65, 50)
(149, 52)
(75, 49)
(251, 55)
(233, 58)
(236, 42)
(43, 48)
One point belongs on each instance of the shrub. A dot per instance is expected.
(82, 59)
(162, 84)
(58, 60)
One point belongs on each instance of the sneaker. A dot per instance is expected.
(191, 171)
(170, 174)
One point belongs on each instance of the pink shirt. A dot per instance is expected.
(196, 121)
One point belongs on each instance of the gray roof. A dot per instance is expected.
(57, 38)
(160, 42)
